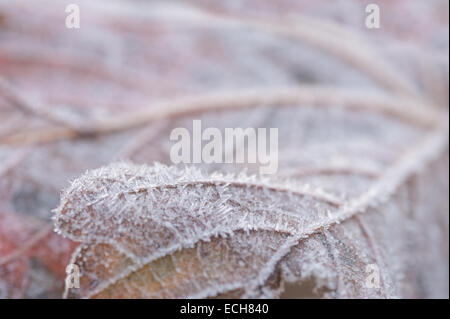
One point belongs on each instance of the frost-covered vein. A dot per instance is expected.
(369, 237)
(383, 188)
(139, 263)
(404, 109)
(380, 192)
(347, 169)
(313, 192)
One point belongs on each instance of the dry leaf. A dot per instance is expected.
(362, 121)
(162, 232)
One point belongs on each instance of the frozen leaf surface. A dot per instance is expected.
(168, 232)
(360, 115)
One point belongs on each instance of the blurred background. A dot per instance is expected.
(75, 99)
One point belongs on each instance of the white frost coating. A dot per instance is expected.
(147, 213)
(138, 208)
(346, 143)
(379, 193)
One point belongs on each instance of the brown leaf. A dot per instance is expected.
(166, 232)
(355, 108)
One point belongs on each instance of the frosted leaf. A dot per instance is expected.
(146, 213)
(133, 218)
(363, 149)
(153, 232)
